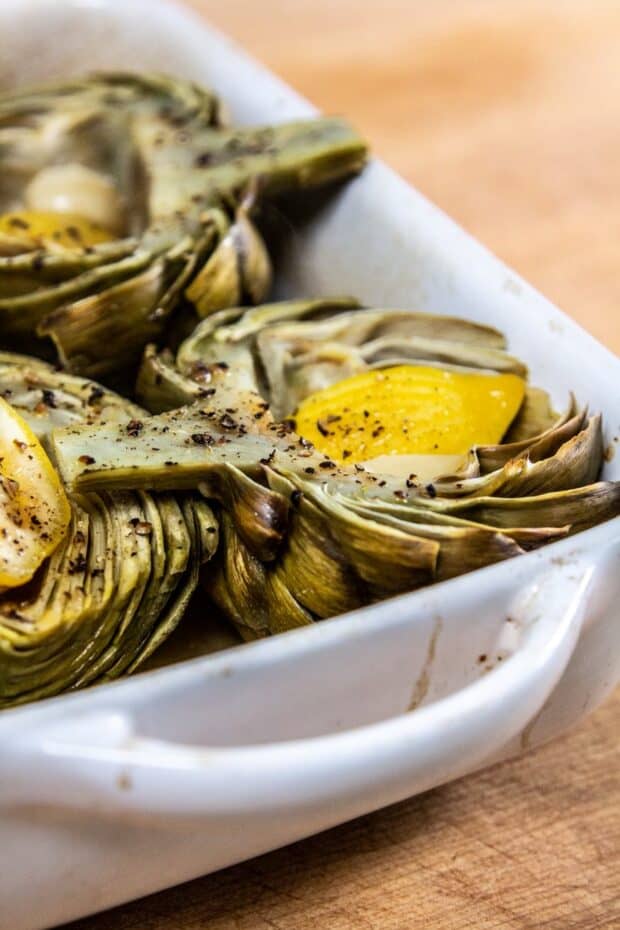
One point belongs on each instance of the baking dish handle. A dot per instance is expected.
(101, 760)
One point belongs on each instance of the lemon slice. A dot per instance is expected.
(409, 410)
(34, 509)
(25, 230)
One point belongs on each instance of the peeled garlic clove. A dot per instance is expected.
(76, 189)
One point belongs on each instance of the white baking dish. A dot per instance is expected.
(118, 791)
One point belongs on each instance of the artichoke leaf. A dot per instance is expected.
(577, 508)
(102, 333)
(493, 457)
(387, 560)
(50, 399)
(250, 592)
(238, 267)
(161, 386)
(535, 417)
(220, 165)
(22, 314)
(456, 548)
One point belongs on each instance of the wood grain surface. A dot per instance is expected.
(504, 112)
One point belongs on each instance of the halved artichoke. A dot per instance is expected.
(304, 537)
(156, 196)
(119, 581)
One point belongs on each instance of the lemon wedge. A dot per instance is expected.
(409, 410)
(34, 509)
(25, 230)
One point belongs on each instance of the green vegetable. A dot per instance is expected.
(120, 580)
(302, 537)
(146, 158)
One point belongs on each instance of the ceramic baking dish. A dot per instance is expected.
(126, 788)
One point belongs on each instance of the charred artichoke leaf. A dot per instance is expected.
(119, 581)
(249, 591)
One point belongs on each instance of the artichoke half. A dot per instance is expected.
(306, 535)
(121, 577)
(124, 199)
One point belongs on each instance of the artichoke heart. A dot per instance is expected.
(307, 532)
(100, 579)
(125, 202)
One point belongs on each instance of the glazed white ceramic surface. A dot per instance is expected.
(126, 788)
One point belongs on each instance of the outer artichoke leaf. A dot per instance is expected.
(535, 416)
(314, 567)
(203, 530)
(63, 627)
(528, 535)
(250, 592)
(162, 521)
(578, 508)
(460, 549)
(21, 274)
(259, 514)
(238, 268)
(22, 315)
(219, 283)
(107, 331)
(135, 560)
(577, 462)
(222, 164)
(173, 100)
(160, 385)
(253, 320)
(388, 559)
(48, 398)
(493, 457)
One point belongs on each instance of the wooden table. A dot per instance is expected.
(506, 114)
